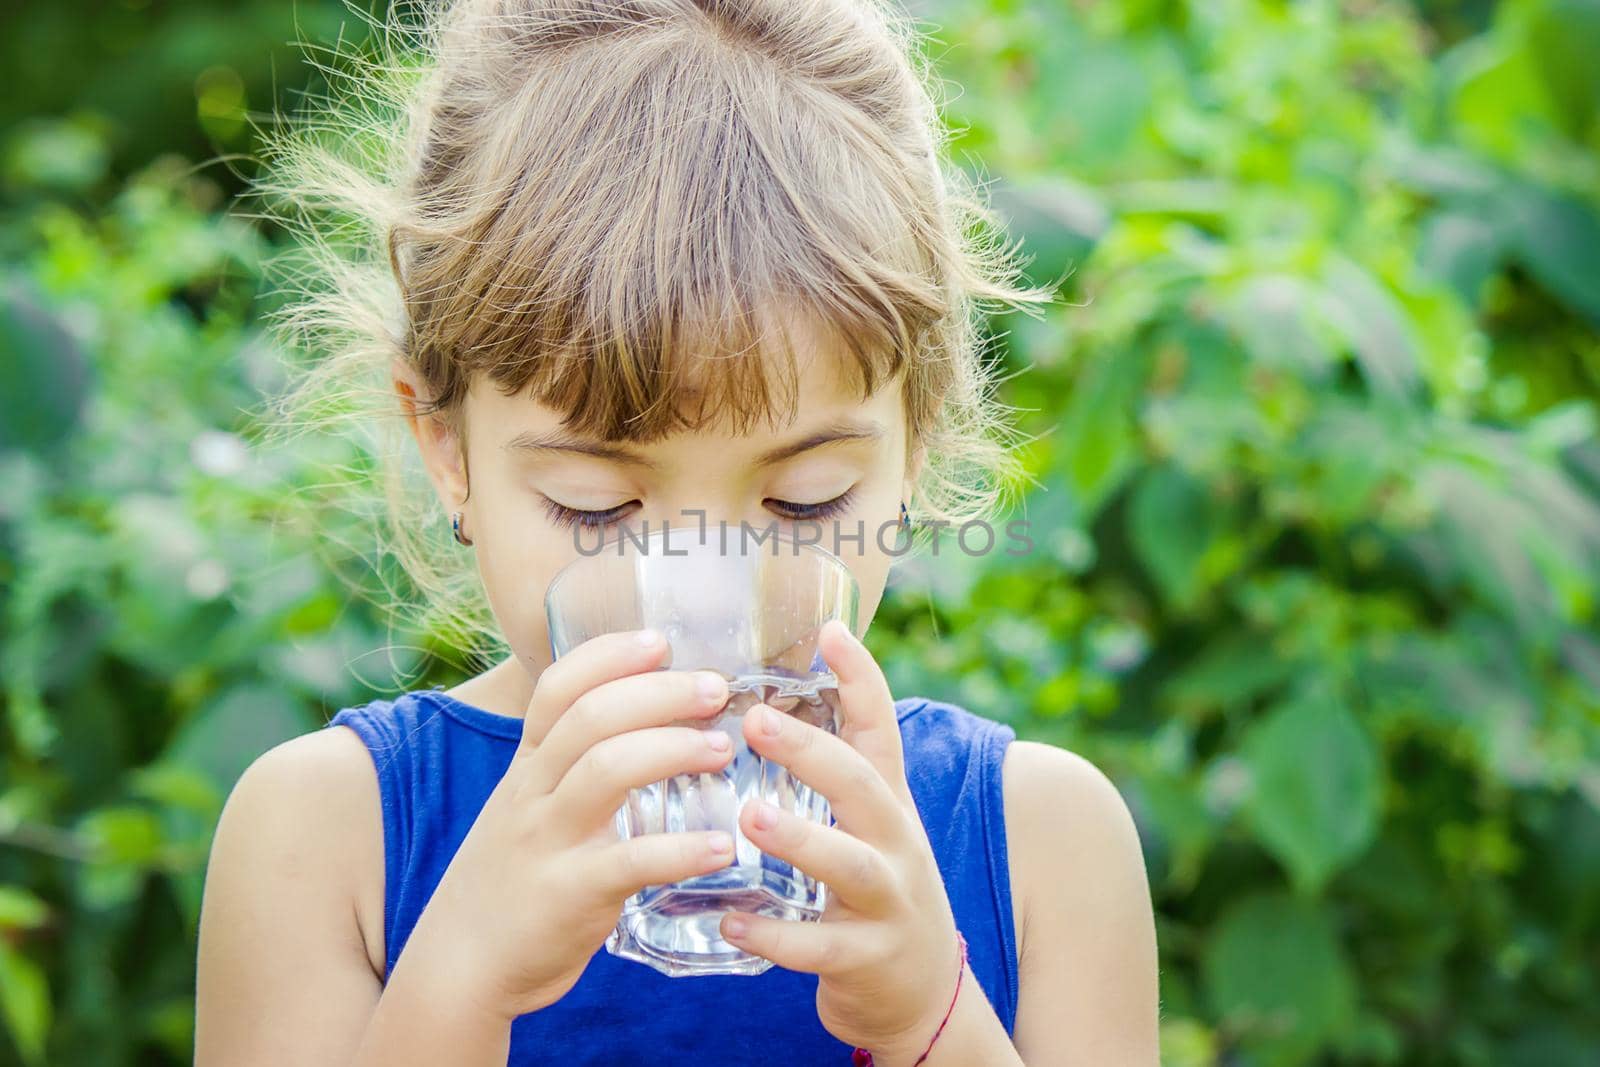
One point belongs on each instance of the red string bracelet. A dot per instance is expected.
(862, 1058)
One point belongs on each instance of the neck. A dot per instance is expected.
(505, 689)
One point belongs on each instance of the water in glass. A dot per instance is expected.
(675, 928)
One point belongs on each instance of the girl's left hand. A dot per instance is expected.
(885, 950)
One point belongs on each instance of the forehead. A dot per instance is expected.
(823, 382)
(811, 379)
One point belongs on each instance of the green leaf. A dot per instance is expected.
(1097, 444)
(1233, 669)
(1181, 831)
(1314, 801)
(1277, 319)
(1059, 220)
(1187, 1043)
(1171, 525)
(24, 1003)
(1375, 326)
(123, 835)
(1557, 238)
(20, 909)
(1463, 250)
(57, 154)
(227, 734)
(1565, 35)
(177, 789)
(1498, 93)
(1090, 101)
(1442, 171)
(1278, 977)
(39, 360)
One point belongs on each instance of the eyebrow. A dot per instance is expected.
(556, 441)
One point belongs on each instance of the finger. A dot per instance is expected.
(622, 868)
(812, 947)
(595, 661)
(632, 702)
(868, 723)
(862, 802)
(853, 870)
(598, 783)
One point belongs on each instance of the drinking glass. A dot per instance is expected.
(748, 604)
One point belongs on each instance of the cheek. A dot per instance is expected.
(872, 575)
(516, 558)
(871, 596)
(869, 561)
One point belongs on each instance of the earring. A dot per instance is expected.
(905, 516)
(455, 528)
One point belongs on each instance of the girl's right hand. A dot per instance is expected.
(540, 879)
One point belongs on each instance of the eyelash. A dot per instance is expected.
(564, 516)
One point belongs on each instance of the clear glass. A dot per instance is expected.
(748, 603)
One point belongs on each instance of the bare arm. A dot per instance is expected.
(285, 975)
(1088, 968)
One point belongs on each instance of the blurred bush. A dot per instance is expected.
(1317, 522)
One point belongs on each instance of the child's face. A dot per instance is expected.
(527, 470)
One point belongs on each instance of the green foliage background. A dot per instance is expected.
(1317, 522)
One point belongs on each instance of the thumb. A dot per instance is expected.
(870, 724)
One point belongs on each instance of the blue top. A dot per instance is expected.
(437, 760)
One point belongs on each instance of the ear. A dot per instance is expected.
(440, 446)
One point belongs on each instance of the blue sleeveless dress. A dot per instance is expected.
(437, 760)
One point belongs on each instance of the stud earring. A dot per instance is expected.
(455, 528)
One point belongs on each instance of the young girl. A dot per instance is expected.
(631, 259)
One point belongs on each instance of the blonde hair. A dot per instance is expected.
(585, 200)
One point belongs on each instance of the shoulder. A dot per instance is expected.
(1051, 792)
(302, 827)
(328, 772)
(1086, 929)
(285, 954)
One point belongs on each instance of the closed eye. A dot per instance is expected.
(566, 517)
(823, 510)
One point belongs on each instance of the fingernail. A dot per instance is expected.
(649, 638)
(710, 685)
(719, 740)
(735, 926)
(766, 816)
(720, 843)
(767, 720)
